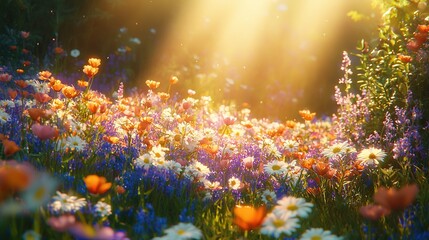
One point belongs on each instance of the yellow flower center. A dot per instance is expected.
(40, 193)
(316, 238)
(276, 167)
(180, 231)
(292, 207)
(372, 156)
(336, 150)
(278, 223)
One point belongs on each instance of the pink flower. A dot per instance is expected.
(44, 132)
(61, 223)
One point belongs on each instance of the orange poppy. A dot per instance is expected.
(164, 96)
(82, 83)
(94, 62)
(69, 91)
(92, 106)
(21, 83)
(12, 93)
(9, 147)
(307, 115)
(396, 199)
(44, 75)
(56, 85)
(14, 177)
(96, 184)
(90, 71)
(42, 97)
(248, 217)
(152, 84)
(174, 80)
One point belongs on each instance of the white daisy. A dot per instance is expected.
(183, 231)
(234, 183)
(212, 185)
(75, 143)
(268, 196)
(4, 117)
(293, 206)
(174, 166)
(371, 156)
(63, 203)
(336, 150)
(102, 209)
(158, 152)
(275, 167)
(143, 161)
(318, 233)
(275, 225)
(290, 145)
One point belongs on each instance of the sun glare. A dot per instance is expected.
(235, 49)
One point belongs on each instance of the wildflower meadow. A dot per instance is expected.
(83, 157)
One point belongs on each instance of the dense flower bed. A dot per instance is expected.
(157, 165)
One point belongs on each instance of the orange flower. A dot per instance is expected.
(174, 80)
(111, 139)
(164, 96)
(307, 115)
(42, 97)
(405, 58)
(9, 147)
(248, 217)
(321, 168)
(396, 199)
(120, 190)
(37, 113)
(152, 84)
(94, 62)
(44, 75)
(307, 163)
(92, 106)
(12, 93)
(69, 91)
(21, 83)
(58, 50)
(96, 184)
(82, 83)
(14, 177)
(56, 85)
(90, 71)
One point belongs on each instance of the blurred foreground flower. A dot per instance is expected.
(248, 217)
(396, 199)
(182, 231)
(319, 234)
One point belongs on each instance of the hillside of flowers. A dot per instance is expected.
(78, 163)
